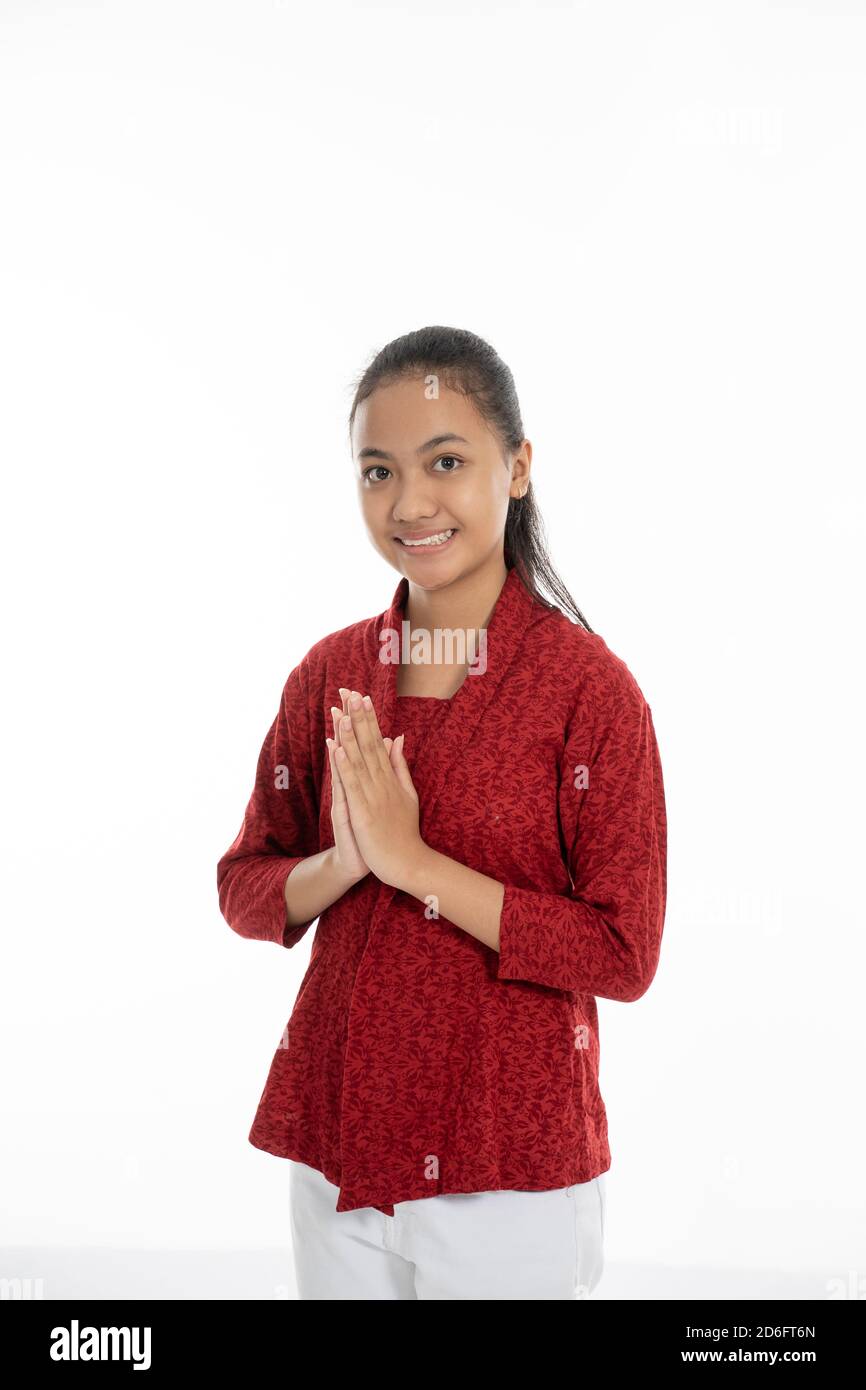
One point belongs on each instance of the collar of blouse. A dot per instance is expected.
(514, 610)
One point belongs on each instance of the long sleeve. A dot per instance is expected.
(280, 826)
(604, 936)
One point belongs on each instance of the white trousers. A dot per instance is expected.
(473, 1245)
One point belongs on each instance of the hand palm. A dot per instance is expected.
(349, 855)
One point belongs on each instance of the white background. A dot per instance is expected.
(213, 215)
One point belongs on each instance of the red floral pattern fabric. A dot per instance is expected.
(417, 1060)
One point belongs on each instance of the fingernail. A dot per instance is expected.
(368, 702)
(355, 701)
(346, 722)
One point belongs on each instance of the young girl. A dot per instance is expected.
(466, 791)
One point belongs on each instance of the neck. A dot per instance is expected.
(466, 603)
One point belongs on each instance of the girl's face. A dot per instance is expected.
(428, 467)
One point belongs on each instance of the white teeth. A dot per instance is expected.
(431, 540)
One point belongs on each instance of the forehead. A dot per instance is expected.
(401, 416)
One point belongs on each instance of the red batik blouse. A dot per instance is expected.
(417, 1060)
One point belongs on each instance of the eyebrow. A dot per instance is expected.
(422, 448)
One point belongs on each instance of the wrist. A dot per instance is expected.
(417, 876)
(344, 876)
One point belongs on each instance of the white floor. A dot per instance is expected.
(53, 1273)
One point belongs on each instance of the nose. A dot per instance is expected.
(414, 504)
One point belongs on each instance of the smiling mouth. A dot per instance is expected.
(429, 542)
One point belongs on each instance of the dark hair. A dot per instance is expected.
(466, 363)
